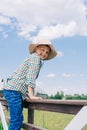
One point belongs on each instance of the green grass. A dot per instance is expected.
(51, 120)
(48, 120)
(1, 127)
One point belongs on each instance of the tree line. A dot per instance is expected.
(60, 95)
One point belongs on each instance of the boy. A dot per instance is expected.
(22, 83)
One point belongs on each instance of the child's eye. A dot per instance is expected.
(42, 49)
(47, 52)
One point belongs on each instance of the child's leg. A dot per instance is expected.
(14, 99)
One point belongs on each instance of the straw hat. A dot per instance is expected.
(53, 52)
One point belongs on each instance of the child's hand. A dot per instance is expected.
(27, 99)
(33, 98)
(39, 98)
(31, 95)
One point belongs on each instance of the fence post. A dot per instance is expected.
(30, 115)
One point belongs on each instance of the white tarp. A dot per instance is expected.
(3, 117)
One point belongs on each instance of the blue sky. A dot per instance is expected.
(64, 23)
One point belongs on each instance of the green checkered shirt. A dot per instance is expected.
(25, 76)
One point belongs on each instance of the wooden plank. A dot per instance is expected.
(49, 101)
(70, 109)
(28, 126)
(79, 121)
(63, 106)
(64, 102)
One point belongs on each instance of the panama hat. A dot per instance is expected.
(53, 52)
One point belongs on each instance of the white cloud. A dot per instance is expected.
(66, 89)
(25, 29)
(73, 90)
(49, 18)
(51, 75)
(5, 35)
(59, 53)
(5, 20)
(67, 75)
(1, 29)
(59, 30)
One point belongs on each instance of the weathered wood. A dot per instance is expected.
(31, 115)
(28, 126)
(62, 106)
(65, 102)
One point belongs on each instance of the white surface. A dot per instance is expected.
(79, 121)
(3, 117)
(2, 84)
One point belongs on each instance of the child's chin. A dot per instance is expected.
(42, 58)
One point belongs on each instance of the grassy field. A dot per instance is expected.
(51, 120)
(48, 120)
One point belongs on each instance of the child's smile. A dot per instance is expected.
(43, 51)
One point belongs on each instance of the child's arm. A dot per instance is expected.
(31, 94)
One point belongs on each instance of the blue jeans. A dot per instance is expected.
(15, 101)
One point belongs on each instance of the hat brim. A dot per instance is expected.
(52, 53)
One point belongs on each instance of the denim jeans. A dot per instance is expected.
(14, 100)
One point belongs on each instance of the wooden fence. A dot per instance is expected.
(62, 106)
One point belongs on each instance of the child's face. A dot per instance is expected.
(43, 51)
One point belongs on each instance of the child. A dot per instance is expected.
(22, 83)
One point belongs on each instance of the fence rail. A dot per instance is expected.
(62, 106)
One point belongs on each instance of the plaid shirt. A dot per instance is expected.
(25, 76)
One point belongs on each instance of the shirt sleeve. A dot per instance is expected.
(32, 71)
